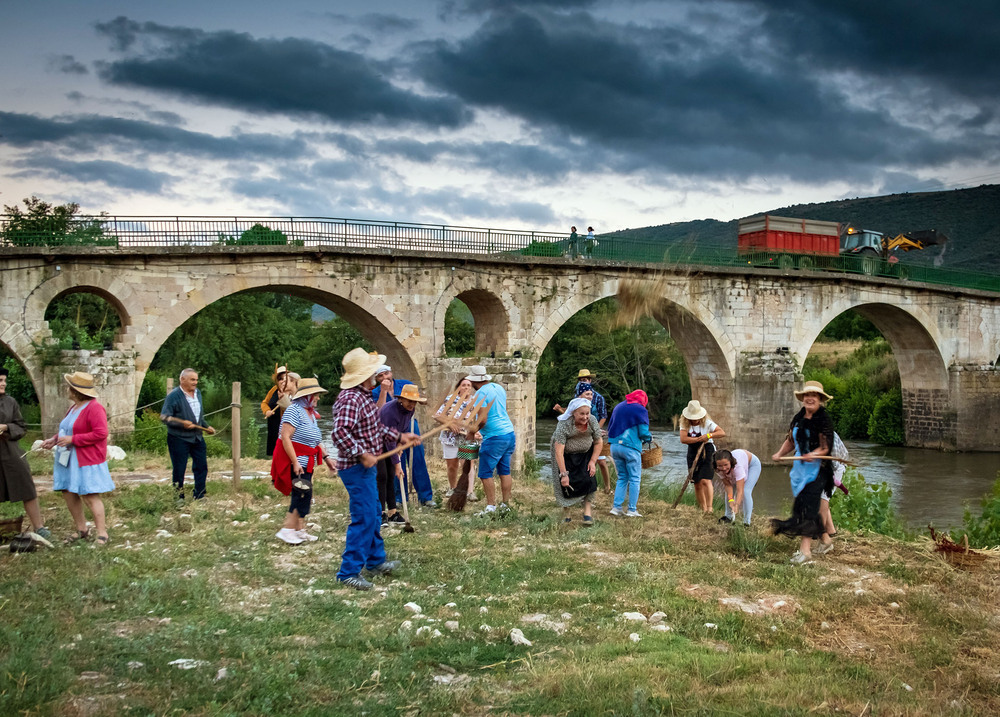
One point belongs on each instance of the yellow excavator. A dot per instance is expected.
(865, 242)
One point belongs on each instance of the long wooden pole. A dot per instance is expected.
(237, 445)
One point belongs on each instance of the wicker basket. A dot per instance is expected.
(10, 527)
(965, 559)
(652, 456)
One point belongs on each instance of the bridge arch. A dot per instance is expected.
(370, 317)
(707, 350)
(16, 344)
(100, 282)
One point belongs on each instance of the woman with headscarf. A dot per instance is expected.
(627, 431)
(16, 483)
(294, 462)
(274, 404)
(810, 435)
(576, 444)
(80, 469)
(697, 429)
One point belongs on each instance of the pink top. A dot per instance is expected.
(90, 434)
(738, 467)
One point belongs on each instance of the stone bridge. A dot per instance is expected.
(743, 332)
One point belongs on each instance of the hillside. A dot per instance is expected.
(970, 217)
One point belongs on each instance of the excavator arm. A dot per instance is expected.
(913, 240)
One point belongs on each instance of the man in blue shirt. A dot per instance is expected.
(385, 388)
(498, 438)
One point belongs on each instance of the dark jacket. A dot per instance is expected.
(177, 406)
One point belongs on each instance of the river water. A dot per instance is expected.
(927, 486)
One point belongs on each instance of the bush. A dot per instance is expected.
(150, 435)
(984, 529)
(868, 507)
(855, 408)
(886, 422)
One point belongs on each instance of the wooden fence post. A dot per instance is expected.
(237, 448)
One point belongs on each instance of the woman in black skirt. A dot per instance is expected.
(810, 436)
(697, 430)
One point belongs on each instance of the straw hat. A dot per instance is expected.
(477, 374)
(82, 383)
(307, 387)
(812, 387)
(359, 366)
(280, 370)
(694, 411)
(411, 393)
(585, 373)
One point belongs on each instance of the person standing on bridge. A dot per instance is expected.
(573, 247)
(697, 429)
(385, 389)
(359, 437)
(184, 414)
(810, 435)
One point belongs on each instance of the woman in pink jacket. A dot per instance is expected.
(81, 457)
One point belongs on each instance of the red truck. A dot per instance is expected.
(774, 239)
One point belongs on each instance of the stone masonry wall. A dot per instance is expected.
(929, 419)
(113, 373)
(977, 392)
(765, 402)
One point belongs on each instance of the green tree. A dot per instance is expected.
(323, 354)
(459, 330)
(88, 320)
(19, 386)
(257, 235)
(238, 338)
(886, 422)
(44, 224)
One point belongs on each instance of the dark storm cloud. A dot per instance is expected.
(288, 76)
(952, 45)
(67, 64)
(653, 103)
(112, 174)
(97, 132)
(507, 158)
(377, 22)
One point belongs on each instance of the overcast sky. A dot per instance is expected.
(616, 113)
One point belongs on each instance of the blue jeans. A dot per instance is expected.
(628, 462)
(364, 548)
(179, 450)
(421, 478)
(494, 454)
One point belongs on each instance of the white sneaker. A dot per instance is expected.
(800, 559)
(633, 514)
(289, 536)
(485, 511)
(473, 497)
(449, 494)
(306, 536)
(615, 511)
(823, 548)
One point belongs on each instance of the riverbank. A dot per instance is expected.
(879, 626)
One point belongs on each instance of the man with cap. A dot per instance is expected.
(183, 411)
(359, 437)
(599, 410)
(16, 484)
(385, 388)
(498, 438)
(395, 414)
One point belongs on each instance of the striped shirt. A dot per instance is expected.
(306, 429)
(357, 428)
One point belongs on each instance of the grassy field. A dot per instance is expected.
(878, 627)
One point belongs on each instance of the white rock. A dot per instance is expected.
(115, 453)
(133, 665)
(907, 687)
(774, 628)
(824, 625)
(483, 610)
(711, 626)
(164, 534)
(222, 674)
(452, 625)
(423, 630)
(517, 637)
(265, 516)
(192, 573)
(413, 608)
(657, 617)
(451, 604)
(634, 637)
(436, 633)
(406, 625)
(780, 603)
(566, 616)
(894, 605)
(485, 628)
(187, 664)
(634, 616)
(458, 588)
(660, 627)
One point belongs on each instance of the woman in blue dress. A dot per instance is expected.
(81, 457)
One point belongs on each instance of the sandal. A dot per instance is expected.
(77, 536)
(588, 520)
(567, 520)
(102, 540)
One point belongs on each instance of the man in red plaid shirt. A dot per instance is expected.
(359, 435)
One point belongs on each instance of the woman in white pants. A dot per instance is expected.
(739, 471)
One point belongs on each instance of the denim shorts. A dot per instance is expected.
(494, 454)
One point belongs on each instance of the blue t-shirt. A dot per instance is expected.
(497, 421)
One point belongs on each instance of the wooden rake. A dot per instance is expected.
(845, 461)
(453, 418)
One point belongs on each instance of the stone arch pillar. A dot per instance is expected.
(491, 320)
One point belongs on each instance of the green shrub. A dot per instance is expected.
(854, 407)
(543, 248)
(886, 422)
(868, 507)
(150, 435)
(984, 529)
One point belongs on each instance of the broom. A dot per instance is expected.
(694, 465)
(460, 495)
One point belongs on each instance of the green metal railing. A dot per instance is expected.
(327, 233)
